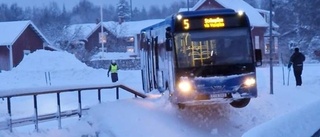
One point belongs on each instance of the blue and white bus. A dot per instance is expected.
(201, 57)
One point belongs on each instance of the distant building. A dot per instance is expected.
(17, 39)
(116, 37)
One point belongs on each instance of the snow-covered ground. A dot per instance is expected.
(290, 111)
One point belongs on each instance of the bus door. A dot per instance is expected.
(155, 65)
(145, 55)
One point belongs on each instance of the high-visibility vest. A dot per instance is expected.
(114, 68)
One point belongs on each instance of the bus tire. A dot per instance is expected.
(240, 103)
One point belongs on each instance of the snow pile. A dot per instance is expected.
(44, 67)
(44, 60)
(113, 56)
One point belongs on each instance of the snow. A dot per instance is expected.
(125, 29)
(11, 31)
(291, 111)
(114, 56)
(129, 28)
(239, 5)
(69, 4)
(84, 30)
(14, 27)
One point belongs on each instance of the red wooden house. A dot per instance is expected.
(17, 39)
(120, 37)
(257, 21)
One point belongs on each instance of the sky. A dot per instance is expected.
(290, 112)
(71, 3)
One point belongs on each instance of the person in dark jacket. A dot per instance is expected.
(296, 60)
(113, 68)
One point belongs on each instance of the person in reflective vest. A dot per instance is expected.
(113, 68)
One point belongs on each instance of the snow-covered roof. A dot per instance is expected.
(254, 16)
(132, 28)
(274, 33)
(129, 28)
(11, 31)
(267, 13)
(125, 29)
(82, 30)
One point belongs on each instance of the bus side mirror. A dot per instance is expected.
(258, 55)
(168, 45)
(168, 39)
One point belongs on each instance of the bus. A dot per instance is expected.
(201, 57)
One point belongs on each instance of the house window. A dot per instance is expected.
(130, 39)
(292, 45)
(267, 45)
(130, 49)
(26, 52)
(275, 44)
(256, 42)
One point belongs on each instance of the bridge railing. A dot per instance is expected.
(9, 94)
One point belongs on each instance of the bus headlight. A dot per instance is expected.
(240, 12)
(185, 86)
(249, 82)
(179, 17)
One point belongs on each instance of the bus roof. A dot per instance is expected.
(169, 19)
(206, 12)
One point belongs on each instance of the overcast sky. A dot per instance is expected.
(70, 3)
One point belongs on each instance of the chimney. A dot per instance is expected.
(97, 21)
(121, 19)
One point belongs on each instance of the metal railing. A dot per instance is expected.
(10, 123)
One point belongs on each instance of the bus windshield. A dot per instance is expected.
(213, 47)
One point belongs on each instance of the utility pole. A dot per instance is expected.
(271, 49)
(188, 4)
(131, 9)
(101, 35)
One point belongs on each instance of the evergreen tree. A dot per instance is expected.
(123, 10)
(135, 14)
(3, 12)
(109, 13)
(85, 12)
(16, 13)
(143, 14)
(253, 3)
(154, 12)
(12, 13)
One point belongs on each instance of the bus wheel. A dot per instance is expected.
(240, 103)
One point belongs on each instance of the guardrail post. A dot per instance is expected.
(59, 110)
(36, 112)
(9, 112)
(117, 92)
(79, 100)
(99, 95)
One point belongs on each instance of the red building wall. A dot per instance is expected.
(4, 58)
(28, 40)
(209, 5)
(113, 44)
(256, 31)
